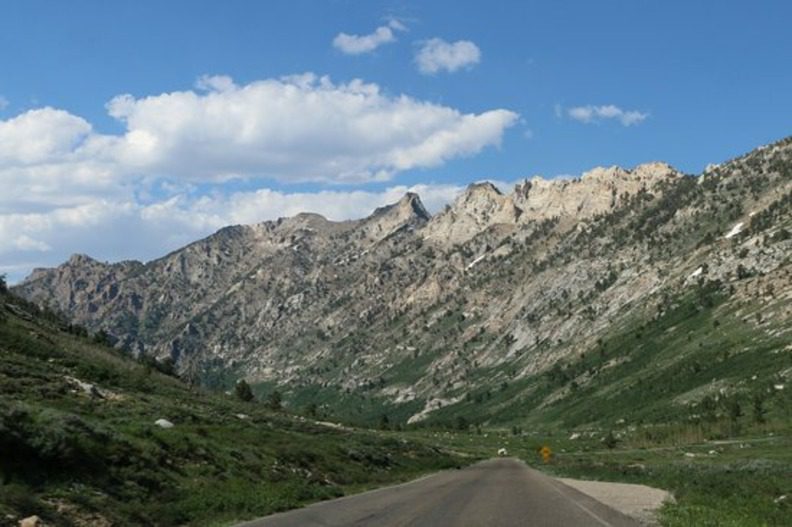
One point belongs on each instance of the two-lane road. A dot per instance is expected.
(494, 493)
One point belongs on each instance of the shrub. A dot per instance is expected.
(48, 442)
(243, 391)
(275, 400)
(610, 440)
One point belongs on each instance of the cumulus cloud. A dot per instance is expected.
(40, 135)
(592, 114)
(437, 55)
(300, 128)
(143, 191)
(218, 83)
(26, 243)
(359, 44)
(398, 25)
(50, 157)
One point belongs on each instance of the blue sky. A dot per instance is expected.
(519, 88)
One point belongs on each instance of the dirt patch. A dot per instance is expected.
(637, 501)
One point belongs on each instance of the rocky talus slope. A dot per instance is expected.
(417, 315)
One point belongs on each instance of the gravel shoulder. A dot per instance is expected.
(637, 501)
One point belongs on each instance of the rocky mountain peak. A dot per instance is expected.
(409, 206)
(597, 191)
(646, 173)
(408, 211)
(482, 190)
(304, 218)
(412, 202)
(656, 170)
(307, 222)
(480, 206)
(81, 259)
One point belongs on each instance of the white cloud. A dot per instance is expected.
(436, 55)
(136, 194)
(3, 103)
(218, 83)
(26, 243)
(592, 114)
(359, 44)
(558, 110)
(300, 128)
(50, 157)
(40, 135)
(395, 23)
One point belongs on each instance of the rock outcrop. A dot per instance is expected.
(480, 206)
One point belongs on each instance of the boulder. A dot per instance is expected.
(31, 521)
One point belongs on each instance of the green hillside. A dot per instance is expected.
(708, 356)
(79, 444)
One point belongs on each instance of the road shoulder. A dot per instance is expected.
(640, 502)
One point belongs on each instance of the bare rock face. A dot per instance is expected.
(418, 310)
(479, 207)
(408, 212)
(598, 191)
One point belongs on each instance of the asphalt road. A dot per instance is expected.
(494, 493)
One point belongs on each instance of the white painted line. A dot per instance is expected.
(583, 508)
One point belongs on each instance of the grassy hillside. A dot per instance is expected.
(704, 353)
(714, 351)
(79, 444)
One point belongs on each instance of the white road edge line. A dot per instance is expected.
(582, 507)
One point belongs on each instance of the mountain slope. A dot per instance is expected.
(413, 316)
(81, 443)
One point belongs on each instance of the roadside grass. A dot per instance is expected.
(73, 457)
(743, 481)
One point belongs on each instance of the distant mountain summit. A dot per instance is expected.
(416, 313)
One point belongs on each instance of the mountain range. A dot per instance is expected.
(639, 293)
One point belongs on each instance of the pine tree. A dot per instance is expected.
(384, 422)
(759, 410)
(243, 391)
(275, 400)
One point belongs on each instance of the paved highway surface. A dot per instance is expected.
(494, 493)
